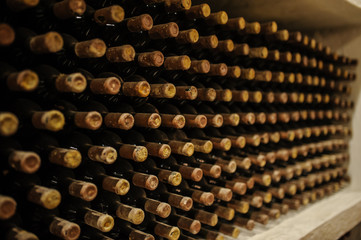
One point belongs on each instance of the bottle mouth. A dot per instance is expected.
(8, 124)
(7, 207)
(186, 203)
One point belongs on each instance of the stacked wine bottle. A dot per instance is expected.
(156, 119)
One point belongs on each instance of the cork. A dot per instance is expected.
(182, 148)
(277, 192)
(281, 35)
(170, 177)
(109, 15)
(106, 155)
(225, 212)
(124, 53)
(148, 120)
(188, 36)
(69, 8)
(259, 52)
(214, 120)
(240, 96)
(173, 121)
(50, 42)
(210, 170)
(181, 202)
(232, 119)
(207, 218)
(130, 214)
(235, 24)
(109, 86)
(241, 49)
(177, 63)
(158, 208)
(98, 220)
(146, 181)
(189, 225)
(233, 71)
(167, 231)
(74, 83)
(272, 213)
(64, 229)
(305, 40)
(116, 185)
(229, 230)
(206, 94)
(194, 174)
(273, 55)
(23, 81)
(137, 89)
(247, 118)
(268, 97)
(239, 206)
(51, 120)
(140, 23)
(248, 73)
(177, 5)
(263, 76)
(224, 194)
(224, 95)
(136, 234)
(46, 197)
(83, 190)
(186, 92)
(286, 57)
(264, 179)
(20, 234)
(226, 46)
(162, 151)
(198, 11)
(199, 66)
(94, 48)
(223, 144)
(68, 158)
(151, 59)
(198, 121)
(275, 136)
(7, 34)
(166, 90)
(261, 118)
(219, 69)
(255, 96)
(212, 234)
(88, 120)
(163, 31)
(208, 42)
(260, 217)
(296, 58)
(8, 124)
(243, 163)
(252, 28)
(7, 207)
(295, 37)
(19, 5)
(133, 152)
(244, 223)
(269, 27)
(229, 166)
(217, 18)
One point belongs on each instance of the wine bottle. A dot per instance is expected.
(23, 81)
(8, 207)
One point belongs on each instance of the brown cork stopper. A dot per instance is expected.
(295, 37)
(166, 90)
(224, 194)
(20, 234)
(273, 55)
(244, 223)
(204, 146)
(223, 144)
(263, 76)
(7, 207)
(200, 66)
(219, 69)
(224, 95)
(171, 177)
(68, 158)
(177, 63)
(281, 35)
(130, 214)
(106, 155)
(7, 34)
(98, 220)
(259, 160)
(83, 190)
(248, 73)
(109, 15)
(173, 121)
(261, 118)
(229, 166)
(241, 49)
(151, 59)
(233, 71)
(181, 202)
(195, 174)
(277, 192)
(177, 5)
(235, 24)
(182, 148)
(262, 179)
(64, 229)
(50, 42)
(225, 212)
(260, 217)
(207, 218)
(214, 120)
(278, 77)
(209, 42)
(206, 94)
(217, 18)
(229, 230)
(225, 46)
(140, 23)
(75, 82)
(46, 197)
(189, 225)
(312, 43)
(186, 92)
(265, 138)
(167, 231)
(188, 36)
(272, 213)
(19, 5)
(116, 185)
(163, 31)
(158, 208)
(123, 121)
(312, 62)
(275, 136)
(243, 163)
(268, 97)
(133, 152)
(286, 57)
(138, 89)
(269, 27)
(198, 11)
(94, 48)
(146, 181)
(255, 96)
(51, 120)
(69, 8)
(148, 120)
(281, 97)
(110, 85)
(239, 206)
(8, 124)
(270, 156)
(252, 28)
(210, 170)
(124, 53)
(305, 40)
(232, 119)
(253, 139)
(88, 120)
(259, 52)
(198, 121)
(237, 187)
(296, 58)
